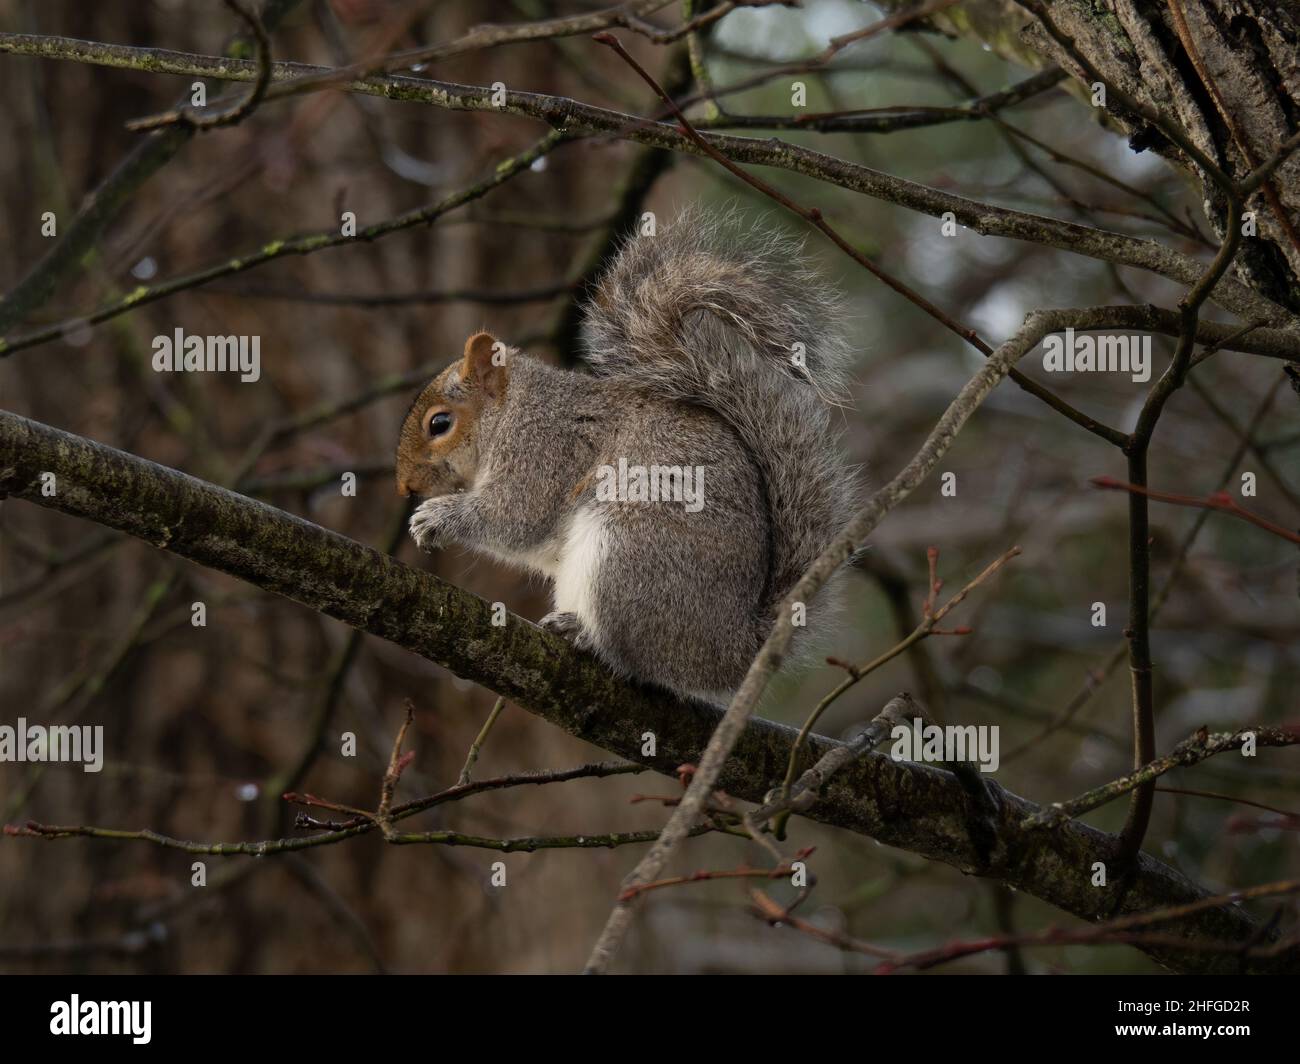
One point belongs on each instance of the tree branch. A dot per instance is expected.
(579, 119)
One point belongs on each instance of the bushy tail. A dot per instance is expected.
(715, 311)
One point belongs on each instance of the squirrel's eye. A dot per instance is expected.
(439, 424)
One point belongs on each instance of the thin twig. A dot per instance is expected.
(1191, 751)
(202, 119)
(928, 626)
(1220, 501)
(477, 745)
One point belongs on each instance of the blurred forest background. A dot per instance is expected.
(206, 726)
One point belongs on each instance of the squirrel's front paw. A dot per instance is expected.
(429, 523)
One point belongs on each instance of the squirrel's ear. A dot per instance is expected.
(485, 364)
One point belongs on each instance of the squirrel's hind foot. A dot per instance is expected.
(568, 626)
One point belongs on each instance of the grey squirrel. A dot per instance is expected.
(674, 494)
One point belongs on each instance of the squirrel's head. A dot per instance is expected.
(438, 450)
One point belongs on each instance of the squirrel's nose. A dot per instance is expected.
(402, 488)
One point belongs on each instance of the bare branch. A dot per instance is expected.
(1190, 751)
(578, 119)
(202, 119)
(1220, 501)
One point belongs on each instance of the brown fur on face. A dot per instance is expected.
(429, 465)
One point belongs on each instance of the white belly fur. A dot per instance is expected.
(581, 554)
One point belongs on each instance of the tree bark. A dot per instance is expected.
(1236, 92)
